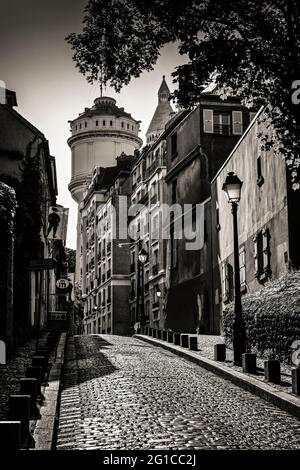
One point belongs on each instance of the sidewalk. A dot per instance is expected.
(280, 395)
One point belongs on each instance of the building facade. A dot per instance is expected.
(267, 226)
(197, 144)
(27, 166)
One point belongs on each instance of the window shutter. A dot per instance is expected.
(242, 259)
(208, 120)
(266, 250)
(237, 122)
(256, 269)
(225, 282)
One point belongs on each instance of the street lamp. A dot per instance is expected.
(232, 188)
(158, 292)
(142, 257)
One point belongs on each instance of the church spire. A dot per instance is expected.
(161, 115)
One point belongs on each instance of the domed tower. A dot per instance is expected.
(162, 114)
(99, 135)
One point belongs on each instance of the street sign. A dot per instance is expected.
(42, 264)
(54, 316)
(62, 283)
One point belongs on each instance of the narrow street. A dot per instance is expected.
(121, 393)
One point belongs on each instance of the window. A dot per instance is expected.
(218, 226)
(208, 121)
(127, 126)
(174, 250)
(237, 122)
(155, 227)
(85, 124)
(260, 178)
(122, 124)
(221, 123)
(227, 282)
(80, 126)
(174, 192)
(242, 260)
(251, 116)
(104, 123)
(97, 123)
(110, 123)
(174, 145)
(262, 254)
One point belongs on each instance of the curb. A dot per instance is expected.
(45, 428)
(282, 400)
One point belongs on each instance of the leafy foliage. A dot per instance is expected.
(272, 318)
(251, 48)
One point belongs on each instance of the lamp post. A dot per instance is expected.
(232, 188)
(142, 258)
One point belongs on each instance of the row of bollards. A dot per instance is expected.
(15, 433)
(271, 367)
(179, 339)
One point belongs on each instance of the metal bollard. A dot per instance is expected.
(159, 332)
(19, 410)
(184, 340)
(220, 352)
(10, 435)
(170, 336)
(154, 333)
(249, 363)
(272, 371)
(35, 372)
(40, 361)
(176, 338)
(164, 335)
(150, 331)
(29, 386)
(296, 381)
(193, 343)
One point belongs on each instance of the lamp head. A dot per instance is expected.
(232, 187)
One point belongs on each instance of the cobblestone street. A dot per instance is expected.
(120, 393)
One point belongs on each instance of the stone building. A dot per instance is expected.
(98, 135)
(27, 166)
(162, 114)
(197, 143)
(268, 229)
(105, 264)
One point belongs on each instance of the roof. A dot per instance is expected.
(162, 112)
(104, 105)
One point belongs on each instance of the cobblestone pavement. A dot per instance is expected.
(120, 393)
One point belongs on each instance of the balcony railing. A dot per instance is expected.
(155, 269)
(222, 129)
(159, 161)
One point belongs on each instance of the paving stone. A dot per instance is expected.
(119, 393)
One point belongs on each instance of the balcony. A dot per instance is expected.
(159, 161)
(153, 199)
(155, 269)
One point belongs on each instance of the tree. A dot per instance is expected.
(252, 49)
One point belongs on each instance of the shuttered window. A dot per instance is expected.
(242, 260)
(237, 122)
(208, 121)
(262, 254)
(227, 284)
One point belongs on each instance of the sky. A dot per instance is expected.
(36, 62)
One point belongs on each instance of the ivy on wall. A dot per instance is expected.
(272, 318)
(8, 204)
